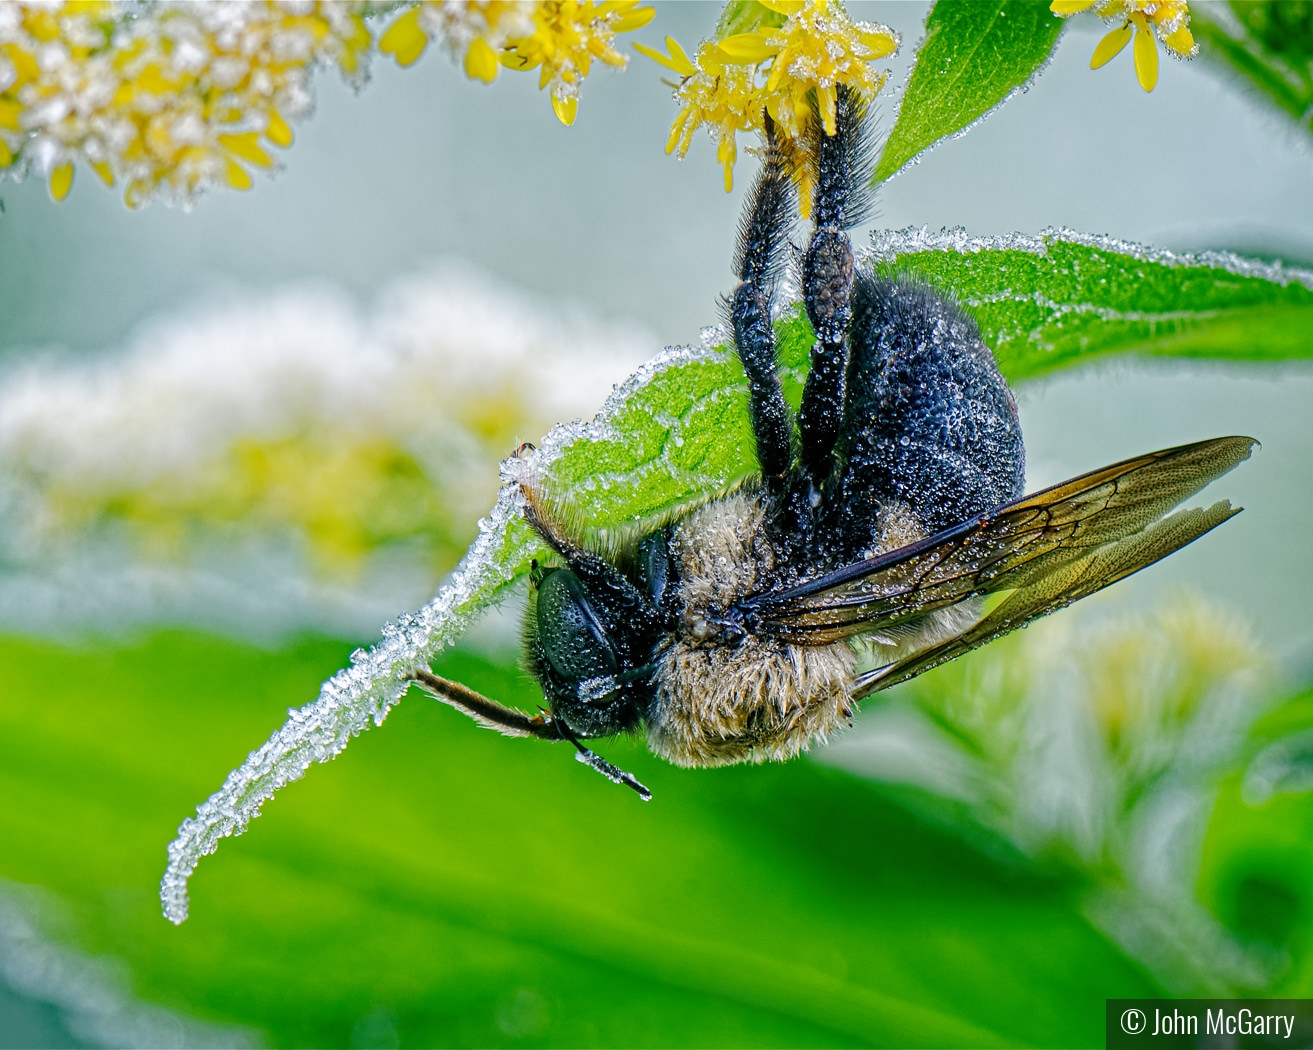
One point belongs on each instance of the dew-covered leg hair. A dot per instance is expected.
(761, 239)
(842, 162)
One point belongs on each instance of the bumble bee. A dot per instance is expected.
(888, 516)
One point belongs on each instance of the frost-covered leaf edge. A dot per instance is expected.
(1026, 358)
(363, 693)
(887, 245)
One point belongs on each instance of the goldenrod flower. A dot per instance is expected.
(723, 98)
(173, 97)
(567, 36)
(1167, 20)
(817, 49)
(778, 67)
(473, 31)
(560, 38)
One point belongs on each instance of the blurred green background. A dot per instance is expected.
(234, 440)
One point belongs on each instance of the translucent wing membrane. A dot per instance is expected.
(1069, 582)
(1049, 548)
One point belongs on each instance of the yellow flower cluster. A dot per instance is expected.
(1168, 20)
(559, 38)
(794, 59)
(171, 97)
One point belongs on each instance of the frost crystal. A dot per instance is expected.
(889, 245)
(363, 693)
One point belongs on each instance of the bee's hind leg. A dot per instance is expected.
(842, 161)
(761, 238)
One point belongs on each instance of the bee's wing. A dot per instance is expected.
(1067, 582)
(1048, 549)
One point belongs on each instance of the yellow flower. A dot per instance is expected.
(170, 98)
(817, 49)
(175, 97)
(1167, 20)
(473, 31)
(721, 97)
(560, 38)
(567, 36)
(406, 39)
(783, 67)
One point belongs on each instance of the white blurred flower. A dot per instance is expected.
(284, 462)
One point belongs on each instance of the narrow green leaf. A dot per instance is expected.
(1064, 298)
(676, 429)
(975, 57)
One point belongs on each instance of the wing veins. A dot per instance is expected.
(1102, 568)
(1004, 549)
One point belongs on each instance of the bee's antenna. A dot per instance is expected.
(511, 722)
(487, 712)
(595, 761)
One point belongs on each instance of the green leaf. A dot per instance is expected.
(458, 888)
(1256, 870)
(1270, 44)
(1063, 298)
(743, 16)
(975, 56)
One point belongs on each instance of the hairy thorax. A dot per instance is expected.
(722, 698)
(722, 701)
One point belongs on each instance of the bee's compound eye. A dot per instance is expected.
(568, 630)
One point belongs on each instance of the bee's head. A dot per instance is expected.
(590, 663)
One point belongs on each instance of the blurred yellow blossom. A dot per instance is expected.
(474, 31)
(170, 97)
(788, 65)
(560, 38)
(1167, 20)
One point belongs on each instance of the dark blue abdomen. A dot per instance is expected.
(929, 420)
